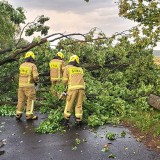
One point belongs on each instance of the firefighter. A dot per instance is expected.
(56, 67)
(28, 79)
(73, 78)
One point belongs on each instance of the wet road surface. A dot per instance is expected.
(22, 143)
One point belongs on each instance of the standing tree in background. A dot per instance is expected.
(10, 20)
(146, 13)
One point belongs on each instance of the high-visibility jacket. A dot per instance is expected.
(73, 76)
(28, 75)
(56, 67)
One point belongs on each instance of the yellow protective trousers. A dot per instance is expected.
(74, 97)
(26, 95)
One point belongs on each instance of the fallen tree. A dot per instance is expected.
(119, 76)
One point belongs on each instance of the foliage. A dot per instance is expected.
(38, 26)
(10, 20)
(111, 136)
(52, 124)
(74, 148)
(112, 156)
(105, 149)
(125, 76)
(7, 110)
(123, 134)
(144, 12)
(8, 76)
(44, 109)
(146, 121)
(77, 141)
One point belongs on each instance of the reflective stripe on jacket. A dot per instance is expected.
(56, 66)
(28, 74)
(73, 76)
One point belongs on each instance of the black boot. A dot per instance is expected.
(31, 118)
(2, 152)
(65, 122)
(79, 123)
(18, 117)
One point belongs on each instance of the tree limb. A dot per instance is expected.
(26, 48)
(12, 57)
(23, 31)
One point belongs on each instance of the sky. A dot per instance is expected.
(77, 16)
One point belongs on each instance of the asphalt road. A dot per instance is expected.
(22, 143)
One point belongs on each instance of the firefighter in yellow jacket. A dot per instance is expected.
(28, 78)
(73, 77)
(56, 67)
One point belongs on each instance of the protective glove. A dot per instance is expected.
(63, 95)
(36, 86)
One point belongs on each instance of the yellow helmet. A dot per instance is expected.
(30, 54)
(74, 58)
(60, 55)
